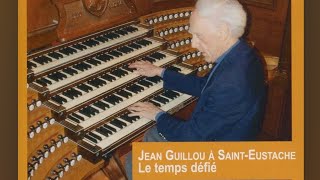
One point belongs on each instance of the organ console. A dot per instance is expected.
(79, 82)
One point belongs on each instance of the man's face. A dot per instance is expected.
(205, 37)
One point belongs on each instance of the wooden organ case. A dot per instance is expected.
(79, 83)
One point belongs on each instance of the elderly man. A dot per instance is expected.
(231, 97)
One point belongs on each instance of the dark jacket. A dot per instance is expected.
(231, 106)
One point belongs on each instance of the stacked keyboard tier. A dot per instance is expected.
(78, 94)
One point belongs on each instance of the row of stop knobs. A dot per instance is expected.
(63, 167)
(44, 153)
(36, 129)
(179, 43)
(166, 17)
(34, 104)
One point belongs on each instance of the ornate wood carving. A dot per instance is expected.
(81, 17)
(95, 7)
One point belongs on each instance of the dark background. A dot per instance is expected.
(312, 89)
(9, 89)
(9, 94)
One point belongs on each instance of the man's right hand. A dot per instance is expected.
(145, 68)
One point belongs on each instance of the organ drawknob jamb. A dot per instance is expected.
(64, 167)
(71, 162)
(50, 148)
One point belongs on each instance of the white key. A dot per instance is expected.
(95, 119)
(111, 85)
(138, 124)
(79, 114)
(89, 50)
(68, 99)
(113, 126)
(102, 66)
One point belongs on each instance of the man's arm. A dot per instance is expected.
(188, 84)
(219, 116)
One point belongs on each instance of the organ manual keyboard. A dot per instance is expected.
(80, 86)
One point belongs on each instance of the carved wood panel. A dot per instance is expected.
(78, 18)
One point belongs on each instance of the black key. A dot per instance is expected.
(144, 42)
(123, 33)
(103, 131)
(135, 88)
(82, 66)
(53, 76)
(147, 58)
(126, 67)
(101, 105)
(172, 93)
(70, 71)
(88, 111)
(109, 128)
(129, 119)
(168, 95)
(76, 92)
(115, 53)
(95, 136)
(125, 49)
(91, 138)
(93, 110)
(135, 46)
(45, 80)
(97, 82)
(69, 94)
(61, 75)
(77, 116)
(101, 39)
(41, 82)
(31, 65)
(85, 112)
(161, 99)
(42, 59)
(155, 103)
(130, 29)
(67, 51)
(108, 77)
(78, 67)
(118, 123)
(113, 99)
(55, 55)
(73, 119)
(58, 99)
(145, 83)
(174, 68)
(93, 62)
(79, 47)
(154, 79)
(85, 88)
(158, 55)
(119, 73)
(111, 35)
(90, 43)
(124, 94)
(87, 66)
(104, 57)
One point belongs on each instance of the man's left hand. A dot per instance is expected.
(144, 109)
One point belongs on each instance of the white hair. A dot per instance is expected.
(230, 12)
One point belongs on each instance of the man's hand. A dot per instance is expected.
(145, 68)
(144, 109)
